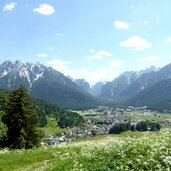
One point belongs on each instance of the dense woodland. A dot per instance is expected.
(63, 118)
(21, 116)
(19, 120)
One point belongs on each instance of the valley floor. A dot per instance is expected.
(127, 151)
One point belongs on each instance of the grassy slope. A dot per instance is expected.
(127, 151)
(51, 128)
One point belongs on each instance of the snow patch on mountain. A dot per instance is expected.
(29, 71)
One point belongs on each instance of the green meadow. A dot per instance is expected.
(124, 152)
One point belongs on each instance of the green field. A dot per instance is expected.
(125, 152)
(148, 117)
(51, 128)
(96, 116)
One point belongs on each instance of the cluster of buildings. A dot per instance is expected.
(93, 126)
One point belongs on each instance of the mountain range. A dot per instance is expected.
(44, 83)
(149, 87)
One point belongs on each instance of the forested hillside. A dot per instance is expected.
(63, 118)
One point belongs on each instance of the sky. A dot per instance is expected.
(92, 39)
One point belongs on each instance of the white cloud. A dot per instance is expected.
(92, 76)
(135, 42)
(168, 39)
(60, 65)
(44, 55)
(59, 34)
(9, 7)
(115, 64)
(121, 25)
(146, 23)
(98, 55)
(150, 58)
(45, 9)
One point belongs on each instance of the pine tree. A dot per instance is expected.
(3, 127)
(21, 119)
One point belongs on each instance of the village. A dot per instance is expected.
(100, 120)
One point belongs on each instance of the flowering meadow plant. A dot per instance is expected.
(149, 151)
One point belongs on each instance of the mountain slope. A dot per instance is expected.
(112, 90)
(118, 87)
(44, 83)
(96, 89)
(83, 84)
(146, 80)
(157, 96)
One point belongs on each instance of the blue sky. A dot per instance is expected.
(92, 39)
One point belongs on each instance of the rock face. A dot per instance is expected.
(126, 84)
(83, 84)
(150, 87)
(96, 89)
(44, 83)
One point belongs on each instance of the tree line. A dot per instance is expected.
(141, 126)
(63, 118)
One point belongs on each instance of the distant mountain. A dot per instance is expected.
(44, 83)
(157, 96)
(146, 80)
(96, 89)
(118, 87)
(112, 90)
(83, 84)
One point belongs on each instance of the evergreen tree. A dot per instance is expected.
(21, 120)
(3, 127)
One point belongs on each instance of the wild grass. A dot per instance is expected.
(52, 128)
(125, 152)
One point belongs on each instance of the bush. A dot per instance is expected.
(148, 126)
(141, 126)
(120, 127)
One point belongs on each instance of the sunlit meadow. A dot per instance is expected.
(150, 151)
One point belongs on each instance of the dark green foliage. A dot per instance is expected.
(3, 128)
(21, 120)
(133, 128)
(63, 118)
(141, 126)
(93, 132)
(148, 126)
(120, 127)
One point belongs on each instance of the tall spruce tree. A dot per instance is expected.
(21, 119)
